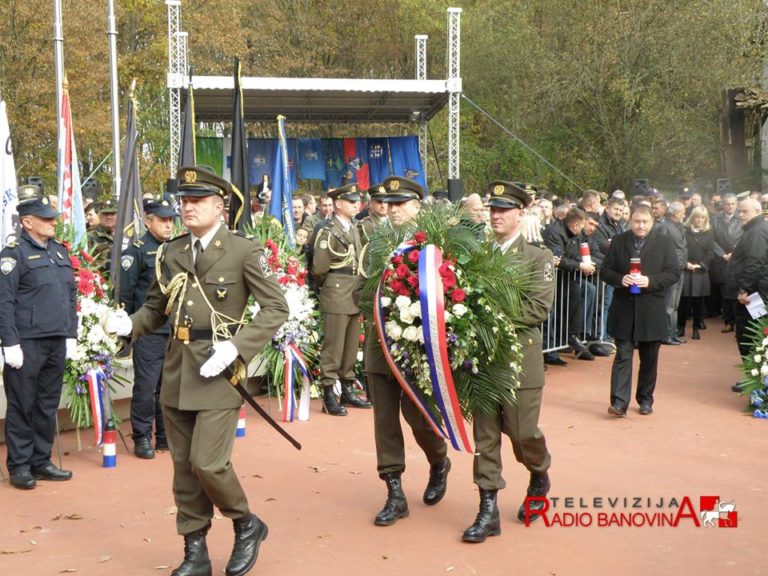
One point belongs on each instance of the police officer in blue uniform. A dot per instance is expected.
(137, 271)
(38, 329)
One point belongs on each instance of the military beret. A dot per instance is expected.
(507, 195)
(349, 192)
(161, 208)
(401, 190)
(196, 181)
(108, 206)
(39, 207)
(377, 192)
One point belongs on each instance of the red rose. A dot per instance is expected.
(395, 285)
(85, 287)
(397, 260)
(414, 256)
(420, 237)
(387, 273)
(404, 292)
(449, 280)
(413, 280)
(765, 330)
(362, 337)
(402, 271)
(86, 275)
(458, 295)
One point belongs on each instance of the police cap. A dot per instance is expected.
(160, 208)
(196, 181)
(28, 192)
(401, 190)
(36, 206)
(507, 195)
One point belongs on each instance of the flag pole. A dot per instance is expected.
(58, 47)
(112, 33)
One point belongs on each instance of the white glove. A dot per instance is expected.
(119, 323)
(14, 357)
(71, 348)
(224, 354)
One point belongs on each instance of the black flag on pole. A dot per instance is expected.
(187, 150)
(130, 211)
(239, 209)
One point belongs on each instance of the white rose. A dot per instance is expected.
(415, 309)
(755, 372)
(386, 301)
(393, 330)
(764, 370)
(459, 310)
(411, 333)
(406, 316)
(765, 341)
(448, 316)
(403, 302)
(758, 358)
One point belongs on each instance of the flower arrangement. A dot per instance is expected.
(755, 368)
(95, 348)
(473, 307)
(301, 332)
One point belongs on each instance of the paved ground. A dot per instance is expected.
(319, 503)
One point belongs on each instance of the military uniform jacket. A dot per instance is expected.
(536, 305)
(335, 267)
(137, 272)
(229, 270)
(37, 291)
(101, 248)
(366, 226)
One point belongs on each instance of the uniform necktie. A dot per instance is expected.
(198, 250)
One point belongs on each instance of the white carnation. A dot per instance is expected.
(459, 310)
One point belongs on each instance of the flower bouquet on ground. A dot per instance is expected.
(89, 373)
(289, 358)
(445, 305)
(755, 368)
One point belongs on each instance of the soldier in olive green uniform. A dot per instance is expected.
(403, 198)
(101, 238)
(519, 421)
(336, 273)
(377, 212)
(203, 283)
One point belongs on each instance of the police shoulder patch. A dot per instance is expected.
(126, 262)
(7, 265)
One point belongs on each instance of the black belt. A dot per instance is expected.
(189, 334)
(345, 271)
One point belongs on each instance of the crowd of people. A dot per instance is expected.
(611, 275)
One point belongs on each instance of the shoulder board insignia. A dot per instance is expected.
(7, 265)
(11, 244)
(126, 262)
(179, 237)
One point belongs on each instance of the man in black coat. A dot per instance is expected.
(638, 319)
(746, 265)
(672, 226)
(726, 228)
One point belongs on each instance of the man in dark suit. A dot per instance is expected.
(638, 315)
(203, 282)
(726, 228)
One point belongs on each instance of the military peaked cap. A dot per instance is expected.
(401, 190)
(196, 181)
(507, 195)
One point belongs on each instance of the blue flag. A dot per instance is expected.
(281, 203)
(334, 162)
(311, 159)
(406, 161)
(378, 160)
(261, 158)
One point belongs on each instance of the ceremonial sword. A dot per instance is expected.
(233, 379)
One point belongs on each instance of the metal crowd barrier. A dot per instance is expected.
(594, 298)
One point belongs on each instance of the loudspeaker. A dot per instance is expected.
(640, 187)
(723, 186)
(37, 181)
(90, 189)
(455, 189)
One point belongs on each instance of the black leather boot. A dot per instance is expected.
(538, 486)
(396, 506)
(331, 403)
(438, 482)
(350, 398)
(196, 561)
(249, 534)
(487, 522)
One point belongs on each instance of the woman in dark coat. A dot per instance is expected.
(701, 249)
(638, 319)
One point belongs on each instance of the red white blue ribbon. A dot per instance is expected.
(96, 383)
(449, 423)
(294, 361)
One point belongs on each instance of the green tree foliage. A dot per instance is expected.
(606, 90)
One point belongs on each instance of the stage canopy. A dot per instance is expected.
(332, 100)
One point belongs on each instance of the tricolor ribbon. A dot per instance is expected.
(96, 382)
(449, 423)
(294, 361)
